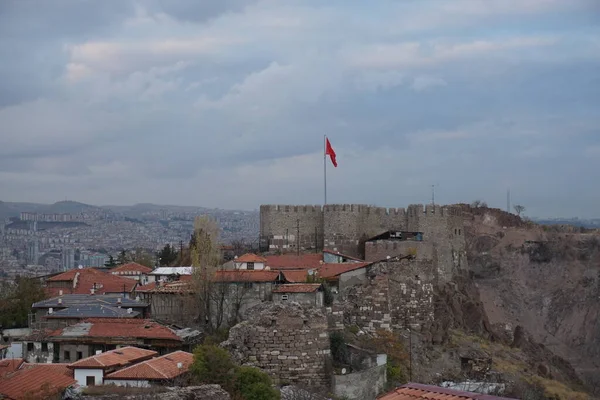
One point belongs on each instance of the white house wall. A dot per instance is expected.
(81, 374)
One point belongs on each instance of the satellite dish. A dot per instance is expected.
(343, 371)
(80, 267)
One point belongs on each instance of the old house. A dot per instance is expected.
(68, 309)
(134, 271)
(310, 294)
(36, 381)
(341, 276)
(91, 371)
(417, 391)
(89, 281)
(250, 262)
(167, 274)
(84, 339)
(170, 369)
(169, 301)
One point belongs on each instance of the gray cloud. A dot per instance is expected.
(226, 103)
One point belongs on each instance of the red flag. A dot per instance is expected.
(329, 152)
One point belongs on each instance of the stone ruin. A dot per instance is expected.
(288, 341)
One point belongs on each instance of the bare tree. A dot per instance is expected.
(205, 257)
(519, 209)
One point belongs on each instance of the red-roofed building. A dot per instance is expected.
(250, 261)
(132, 270)
(415, 391)
(303, 293)
(9, 366)
(91, 371)
(85, 338)
(167, 369)
(293, 261)
(88, 281)
(36, 381)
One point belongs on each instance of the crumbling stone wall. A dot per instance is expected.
(398, 294)
(288, 341)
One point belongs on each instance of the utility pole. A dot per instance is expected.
(298, 237)
(433, 195)
(508, 200)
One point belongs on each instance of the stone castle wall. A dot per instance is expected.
(289, 342)
(343, 226)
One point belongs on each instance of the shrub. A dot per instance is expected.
(213, 364)
(339, 351)
(327, 294)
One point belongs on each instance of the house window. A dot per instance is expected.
(248, 285)
(79, 355)
(90, 381)
(44, 347)
(250, 265)
(67, 356)
(29, 346)
(284, 297)
(459, 232)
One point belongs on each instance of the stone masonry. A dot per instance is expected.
(398, 294)
(345, 226)
(289, 342)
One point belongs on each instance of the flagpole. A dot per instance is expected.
(325, 166)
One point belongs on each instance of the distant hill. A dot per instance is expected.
(68, 207)
(13, 209)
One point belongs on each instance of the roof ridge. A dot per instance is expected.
(148, 362)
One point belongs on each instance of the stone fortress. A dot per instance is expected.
(352, 229)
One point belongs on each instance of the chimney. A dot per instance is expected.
(179, 365)
(118, 300)
(59, 301)
(98, 352)
(60, 292)
(50, 310)
(129, 310)
(92, 291)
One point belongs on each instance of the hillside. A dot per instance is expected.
(545, 279)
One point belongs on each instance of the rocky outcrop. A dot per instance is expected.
(545, 280)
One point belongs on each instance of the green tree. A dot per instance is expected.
(213, 364)
(253, 384)
(144, 258)
(122, 258)
(168, 256)
(111, 263)
(16, 301)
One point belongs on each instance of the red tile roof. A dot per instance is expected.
(160, 368)
(250, 257)
(116, 328)
(84, 279)
(415, 391)
(297, 288)
(246, 276)
(9, 365)
(132, 267)
(115, 358)
(295, 276)
(293, 261)
(36, 381)
(330, 271)
(337, 253)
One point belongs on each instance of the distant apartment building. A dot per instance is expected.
(28, 216)
(67, 259)
(89, 259)
(33, 252)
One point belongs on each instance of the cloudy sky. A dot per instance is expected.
(224, 103)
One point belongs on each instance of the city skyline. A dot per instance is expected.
(225, 104)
